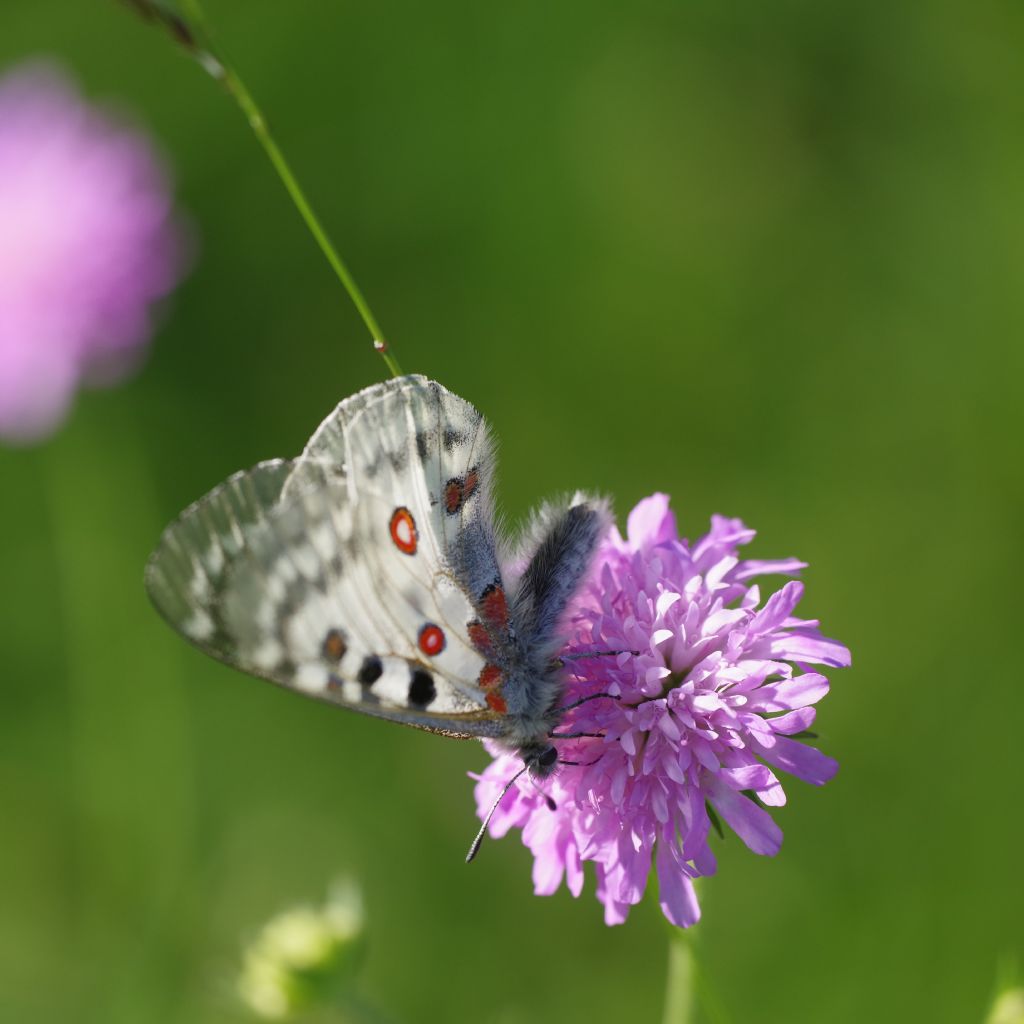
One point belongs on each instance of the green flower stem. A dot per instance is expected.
(680, 987)
(689, 995)
(220, 69)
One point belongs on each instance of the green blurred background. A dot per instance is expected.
(765, 257)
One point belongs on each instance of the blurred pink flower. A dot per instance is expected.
(87, 244)
(715, 699)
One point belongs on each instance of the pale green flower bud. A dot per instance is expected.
(304, 957)
(1008, 1008)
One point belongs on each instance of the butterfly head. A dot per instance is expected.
(539, 758)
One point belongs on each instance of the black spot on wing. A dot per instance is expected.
(370, 670)
(453, 439)
(426, 442)
(421, 688)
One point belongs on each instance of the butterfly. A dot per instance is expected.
(369, 573)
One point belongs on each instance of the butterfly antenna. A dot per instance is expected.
(552, 806)
(475, 848)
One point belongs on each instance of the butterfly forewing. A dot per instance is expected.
(425, 602)
(414, 437)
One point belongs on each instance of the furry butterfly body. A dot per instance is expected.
(367, 573)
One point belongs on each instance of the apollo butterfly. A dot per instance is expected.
(366, 573)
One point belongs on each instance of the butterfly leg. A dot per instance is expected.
(583, 700)
(578, 655)
(580, 764)
(575, 735)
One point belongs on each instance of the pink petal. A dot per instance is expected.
(615, 912)
(753, 824)
(676, 895)
(725, 532)
(547, 872)
(795, 721)
(781, 566)
(659, 803)
(670, 765)
(651, 522)
(773, 794)
(714, 576)
(573, 869)
(750, 776)
(669, 727)
(777, 608)
(789, 694)
(810, 647)
(703, 752)
(704, 861)
(627, 878)
(807, 763)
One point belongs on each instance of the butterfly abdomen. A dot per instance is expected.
(565, 540)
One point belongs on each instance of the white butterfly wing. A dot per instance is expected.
(285, 573)
(413, 433)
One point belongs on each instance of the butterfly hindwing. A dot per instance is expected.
(187, 573)
(281, 573)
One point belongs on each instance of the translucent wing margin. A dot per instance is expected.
(284, 572)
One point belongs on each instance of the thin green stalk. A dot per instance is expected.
(680, 986)
(198, 39)
(689, 993)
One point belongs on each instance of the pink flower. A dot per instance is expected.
(713, 703)
(87, 244)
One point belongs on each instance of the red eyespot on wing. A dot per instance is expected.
(480, 637)
(490, 677)
(453, 496)
(496, 703)
(459, 490)
(431, 639)
(495, 607)
(403, 530)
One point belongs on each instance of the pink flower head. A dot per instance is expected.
(87, 244)
(713, 703)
